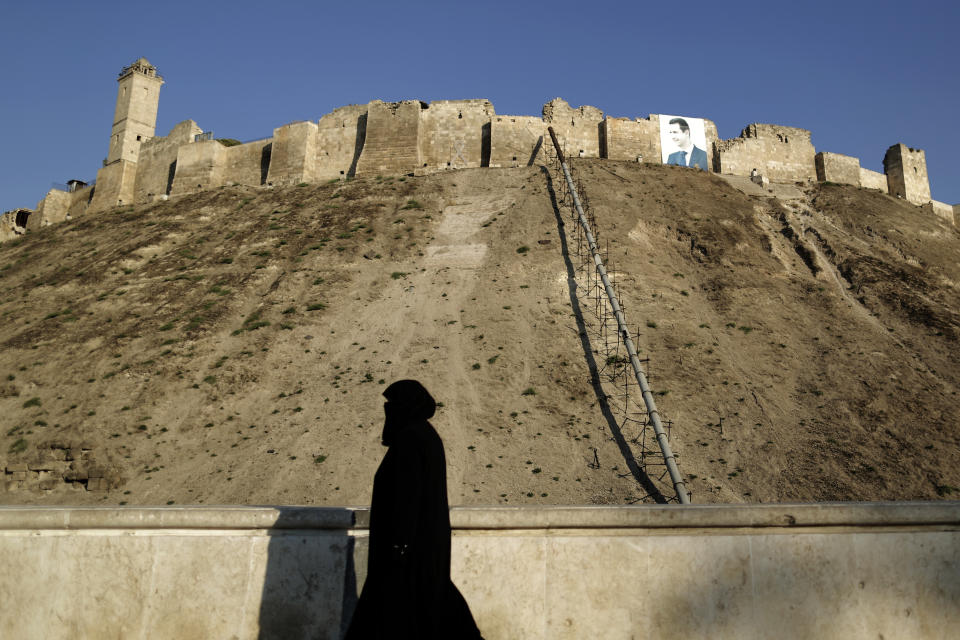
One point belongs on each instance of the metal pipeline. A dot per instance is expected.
(648, 401)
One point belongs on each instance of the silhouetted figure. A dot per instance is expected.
(408, 592)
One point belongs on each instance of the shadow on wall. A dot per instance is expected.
(170, 175)
(358, 146)
(639, 474)
(265, 162)
(533, 158)
(485, 132)
(850, 586)
(310, 587)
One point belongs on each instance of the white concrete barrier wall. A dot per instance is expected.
(852, 570)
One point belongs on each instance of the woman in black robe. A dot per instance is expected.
(408, 592)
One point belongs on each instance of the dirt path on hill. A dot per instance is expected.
(230, 347)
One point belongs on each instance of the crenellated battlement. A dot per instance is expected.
(416, 137)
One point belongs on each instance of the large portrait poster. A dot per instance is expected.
(683, 141)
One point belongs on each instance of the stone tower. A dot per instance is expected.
(135, 118)
(906, 171)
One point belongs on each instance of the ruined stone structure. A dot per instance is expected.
(906, 171)
(414, 137)
(784, 154)
(14, 223)
(838, 168)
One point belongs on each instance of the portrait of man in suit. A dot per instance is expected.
(687, 153)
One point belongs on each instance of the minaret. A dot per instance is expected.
(135, 118)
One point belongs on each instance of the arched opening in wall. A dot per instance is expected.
(21, 218)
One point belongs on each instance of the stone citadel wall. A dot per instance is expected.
(411, 137)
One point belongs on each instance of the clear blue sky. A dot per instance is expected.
(860, 75)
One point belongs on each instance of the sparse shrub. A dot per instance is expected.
(252, 323)
(32, 402)
(945, 489)
(523, 249)
(651, 324)
(317, 306)
(529, 391)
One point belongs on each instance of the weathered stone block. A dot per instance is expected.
(873, 180)
(392, 138)
(578, 130)
(293, 156)
(340, 139)
(517, 141)
(837, 168)
(455, 134)
(784, 154)
(41, 464)
(115, 186)
(75, 475)
(941, 210)
(52, 209)
(906, 171)
(157, 162)
(626, 139)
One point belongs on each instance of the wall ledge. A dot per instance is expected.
(753, 516)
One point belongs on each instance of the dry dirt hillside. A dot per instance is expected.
(231, 347)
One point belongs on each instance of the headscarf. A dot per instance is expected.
(409, 402)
